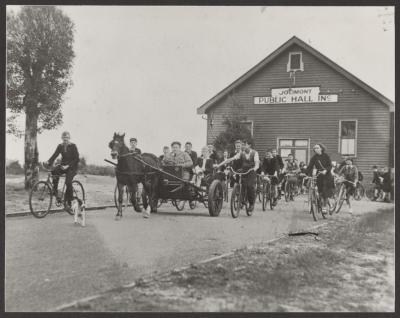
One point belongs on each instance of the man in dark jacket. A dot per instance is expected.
(69, 165)
(133, 148)
(193, 156)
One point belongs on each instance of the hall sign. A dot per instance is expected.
(297, 95)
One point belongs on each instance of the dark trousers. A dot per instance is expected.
(249, 181)
(69, 176)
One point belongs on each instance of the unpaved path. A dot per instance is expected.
(50, 262)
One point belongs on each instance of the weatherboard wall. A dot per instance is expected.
(318, 122)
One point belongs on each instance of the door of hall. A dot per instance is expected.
(299, 148)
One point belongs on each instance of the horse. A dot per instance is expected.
(130, 171)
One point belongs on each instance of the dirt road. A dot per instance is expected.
(50, 261)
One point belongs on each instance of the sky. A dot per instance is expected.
(144, 71)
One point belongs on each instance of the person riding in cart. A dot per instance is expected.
(177, 157)
(249, 162)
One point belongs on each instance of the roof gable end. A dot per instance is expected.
(294, 40)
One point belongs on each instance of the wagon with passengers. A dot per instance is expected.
(174, 188)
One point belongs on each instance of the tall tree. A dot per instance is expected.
(39, 62)
(234, 127)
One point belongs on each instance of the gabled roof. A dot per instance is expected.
(294, 40)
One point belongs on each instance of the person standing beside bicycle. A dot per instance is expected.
(270, 170)
(69, 165)
(250, 162)
(323, 164)
(350, 174)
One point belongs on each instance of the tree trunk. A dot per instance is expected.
(31, 150)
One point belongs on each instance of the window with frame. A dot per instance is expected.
(295, 62)
(348, 137)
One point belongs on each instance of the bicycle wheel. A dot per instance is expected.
(226, 189)
(332, 202)
(40, 199)
(287, 191)
(264, 197)
(77, 192)
(320, 208)
(235, 201)
(341, 197)
(272, 196)
(313, 204)
(359, 192)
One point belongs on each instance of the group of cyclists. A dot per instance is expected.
(201, 170)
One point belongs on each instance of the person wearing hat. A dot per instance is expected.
(69, 165)
(132, 146)
(350, 173)
(177, 157)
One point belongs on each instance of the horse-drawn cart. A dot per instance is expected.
(173, 187)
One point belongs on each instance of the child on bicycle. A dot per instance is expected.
(350, 174)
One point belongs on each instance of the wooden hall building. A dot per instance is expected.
(297, 97)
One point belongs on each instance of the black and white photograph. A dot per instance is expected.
(208, 158)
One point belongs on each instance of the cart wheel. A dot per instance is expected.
(192, 204)
(179, 204)
(235, 201)
(215, 198)
(77, 192)
(40, 199)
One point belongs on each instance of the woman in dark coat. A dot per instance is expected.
(325, 181)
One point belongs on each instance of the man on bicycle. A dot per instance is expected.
(291, 167)
(237, 163)
(249, 162)
(270, 167)
(350, 173)
(69, 165)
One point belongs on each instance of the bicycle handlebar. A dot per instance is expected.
(240, 173)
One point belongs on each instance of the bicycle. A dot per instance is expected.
(239, 196)
(225, 186)
(268, 192)
(289, 187)
(343, 193)
(314, 200)
(42, 192)
(359, 192)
